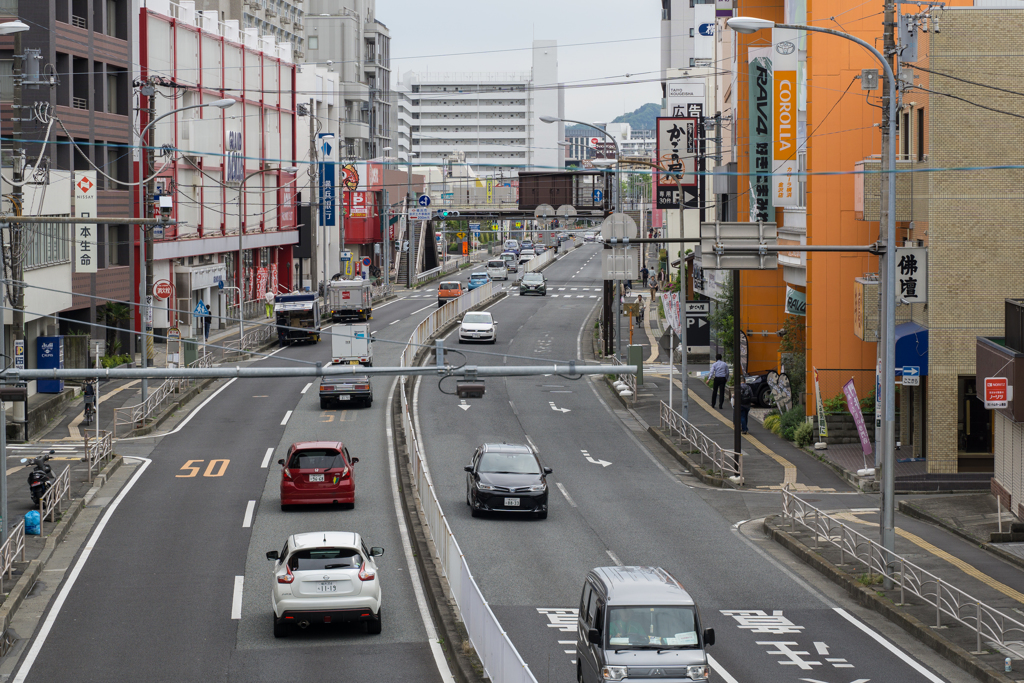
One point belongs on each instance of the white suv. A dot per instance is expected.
(325, 577)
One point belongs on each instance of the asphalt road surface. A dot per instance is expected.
(613, 502)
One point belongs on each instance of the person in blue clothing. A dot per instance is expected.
(746, 399)
(719, 376)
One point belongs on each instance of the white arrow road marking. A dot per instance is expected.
(559, 410)
(602, 463)
(464, 405)
(822, 648)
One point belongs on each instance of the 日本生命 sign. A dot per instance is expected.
(998, 392)
(912, 274)
(85, 233)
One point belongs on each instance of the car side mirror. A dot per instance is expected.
(709, 637)
(548, 470)
(468, 468)
(354, 460)
(593, 635)
(280, 462)
(376, 551)
(272, 555)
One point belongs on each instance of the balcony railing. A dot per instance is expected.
(80, 22)
(79, 103)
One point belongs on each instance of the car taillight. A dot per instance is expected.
(324, 387)
(287, 577)
(343, 474)
(365, 574)
(362, 387)
(287, 473)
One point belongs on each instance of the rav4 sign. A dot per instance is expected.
(997, 392)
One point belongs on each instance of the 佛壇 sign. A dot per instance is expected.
(912, 274)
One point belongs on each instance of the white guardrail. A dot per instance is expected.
(986, 621)
(501, 661)
(10, 550)
(98, 451)
(448, 267)
(137, 415)
(51, 502)
(539, 261)
(722, 460)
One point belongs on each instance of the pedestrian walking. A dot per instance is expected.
(719, 376)
(746, 400)
(652, 282)
(268, 306)
(643, 274)
(639, 310)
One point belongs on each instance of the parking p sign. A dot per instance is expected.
(998, 393)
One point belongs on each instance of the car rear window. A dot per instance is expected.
(448, 285)
(321, 459)
(478, 276)
(496, 264)
(318, 559)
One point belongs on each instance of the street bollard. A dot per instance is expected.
(938, 602)
(977, 628)
(903, 580)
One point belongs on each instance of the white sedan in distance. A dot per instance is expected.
(325, 577)
(478, 326)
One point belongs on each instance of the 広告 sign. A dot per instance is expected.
(784, 116)
(325, 170)
(684, 94)
(677, 153)
(912, 274)
(759, 78)
(796, 302)
(85, 234)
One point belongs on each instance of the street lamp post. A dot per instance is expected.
(750, 25)
(615, 206)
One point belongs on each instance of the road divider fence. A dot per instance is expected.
(52, 501)
(539, 261)
(10, 550)
(501, 661)
(728, 463)
(130, 418)
(987, 622)
(98, 451)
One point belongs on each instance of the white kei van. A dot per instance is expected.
(496, 269)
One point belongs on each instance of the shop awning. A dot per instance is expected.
(911, 347)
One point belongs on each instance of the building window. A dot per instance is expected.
(49, 244)
(6, 80)
(314, 42)
(905, 136)
(920, 134)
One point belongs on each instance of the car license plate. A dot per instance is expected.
(316, 477)
(512, 502)
(344, 397)
(327, 587)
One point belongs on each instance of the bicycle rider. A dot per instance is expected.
(89, 392)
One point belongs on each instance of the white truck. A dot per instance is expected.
(351, 344)
(350, 299)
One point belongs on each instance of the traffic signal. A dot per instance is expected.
(445, 213)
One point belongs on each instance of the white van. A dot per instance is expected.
(496, 269)
(512, 245)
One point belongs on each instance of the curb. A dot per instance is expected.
(866, 598)
(35, 567)
(911, 510)
(695, 469)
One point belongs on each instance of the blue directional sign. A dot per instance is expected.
(201, 309)
(598, 195)
(911, 375)
(424, 200)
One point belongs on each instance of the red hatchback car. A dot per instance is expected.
(317, 472)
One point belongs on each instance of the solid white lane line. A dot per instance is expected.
(417, 586)
(188, 418)
(726, 676)
(565, 493)
(615, 559)
(530, 441)
(306, 388)
(266, 458)
(395, 321)
(69, 583)
(249, 509)
(286, 416)
(236, 598)
(916, 666)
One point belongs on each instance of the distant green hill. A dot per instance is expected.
(642, 118)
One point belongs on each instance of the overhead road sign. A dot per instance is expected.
(738, 246)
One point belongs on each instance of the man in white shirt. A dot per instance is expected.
(719, 376)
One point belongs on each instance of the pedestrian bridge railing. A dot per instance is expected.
(721, 460)
(988, 623)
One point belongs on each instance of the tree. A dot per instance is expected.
(721, 320)
(793, 348)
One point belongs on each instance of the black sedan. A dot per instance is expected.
(507, 478)
(533, 283)
(345, 391)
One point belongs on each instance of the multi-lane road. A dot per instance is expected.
(177, 586)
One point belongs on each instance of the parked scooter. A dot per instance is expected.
(40, 478)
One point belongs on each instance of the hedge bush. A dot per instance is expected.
(804, 434)
(790, 421)
(771, 423)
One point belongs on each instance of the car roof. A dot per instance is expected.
(507, 448)
(319, 539)
(451, 284)
(304, 445)
(641, 586)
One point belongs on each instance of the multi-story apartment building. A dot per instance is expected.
(284, 20)
(191, 58)
(492, 118)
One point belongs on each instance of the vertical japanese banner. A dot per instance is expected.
(784, 116)
(85, 234)
(326, 170)
(822, 427)
(759, 79)
(853, 405)
(677, 154)
(912, 273)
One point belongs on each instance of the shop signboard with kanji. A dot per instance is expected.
(912, 275)
(677, 155)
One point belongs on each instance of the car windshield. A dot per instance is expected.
(648, 628)
(508, 463)
(477, 318)
(533, 278)
(318, 559)
(320, 459)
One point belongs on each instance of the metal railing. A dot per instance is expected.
(98, 451)
(501, 661)
(136, 416)
(381, 291)
(629, 379)
(721, 459)
(254, 308)
(445, 268)
(986, 621)
(51, 502)
(252, 338)
(10, 550)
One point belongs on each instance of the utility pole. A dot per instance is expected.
(17, 196)
(146, 284)
(888, 532)
(314, 200)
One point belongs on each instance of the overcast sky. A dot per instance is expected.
(422, 31)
